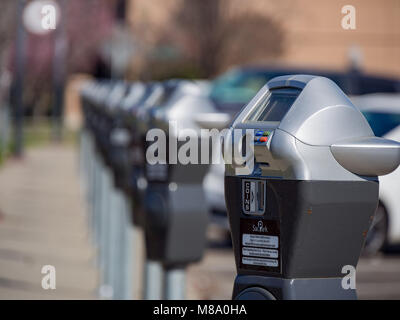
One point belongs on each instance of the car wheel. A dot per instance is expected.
(377, 234)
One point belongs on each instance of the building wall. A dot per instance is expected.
(313, 32)
(315, 35)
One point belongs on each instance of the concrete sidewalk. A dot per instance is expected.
(43, 222)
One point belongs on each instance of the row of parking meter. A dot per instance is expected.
(125, 193)
(299, 207)
(300, 212)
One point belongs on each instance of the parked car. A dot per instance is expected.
(383, 114)
(235, 88)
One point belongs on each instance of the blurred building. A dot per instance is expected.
(304, 33)
(312, 30)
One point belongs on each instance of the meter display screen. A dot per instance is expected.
(275, 105)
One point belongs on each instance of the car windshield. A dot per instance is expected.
(238, 86)
(234, 89)
(381, 123)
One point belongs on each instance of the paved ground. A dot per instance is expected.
(377, 278)
(42, 222)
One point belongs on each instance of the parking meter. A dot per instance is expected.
(123, 135)
(109, 202)
(118, 134)
(301, 210)
(132, 107)
(131, 113)
(123, 140)
(86, 94)
(176, 212)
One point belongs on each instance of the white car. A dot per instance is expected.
(383, 114)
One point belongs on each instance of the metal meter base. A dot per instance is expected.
(176, 223)
(267, 288)
(309, 229)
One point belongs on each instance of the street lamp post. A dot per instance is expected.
(59, 71)
(18, 83)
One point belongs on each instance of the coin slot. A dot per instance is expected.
(254, 197)
(261, 196)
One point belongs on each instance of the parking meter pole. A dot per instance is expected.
(97, 200)
(96, 196)
(128, 252)
(84, 162)
(112, 254)
(101, 214)
(85, 169)
(153, 282)
(92, 190)
(81, 152)
(315, 162)
(175, 284)
(121, 248)
(95, 190)
(106, 290)
(87, 172)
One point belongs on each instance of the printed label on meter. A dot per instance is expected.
(257, 240)
(254, 196)
(259, 252)
(260, 245)
(260, 262)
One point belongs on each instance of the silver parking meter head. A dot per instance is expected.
(306, 128)
(301, 211)
(116, 95)
(176, 214)
(136, 92)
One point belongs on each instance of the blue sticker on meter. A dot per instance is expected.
(259, 132)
